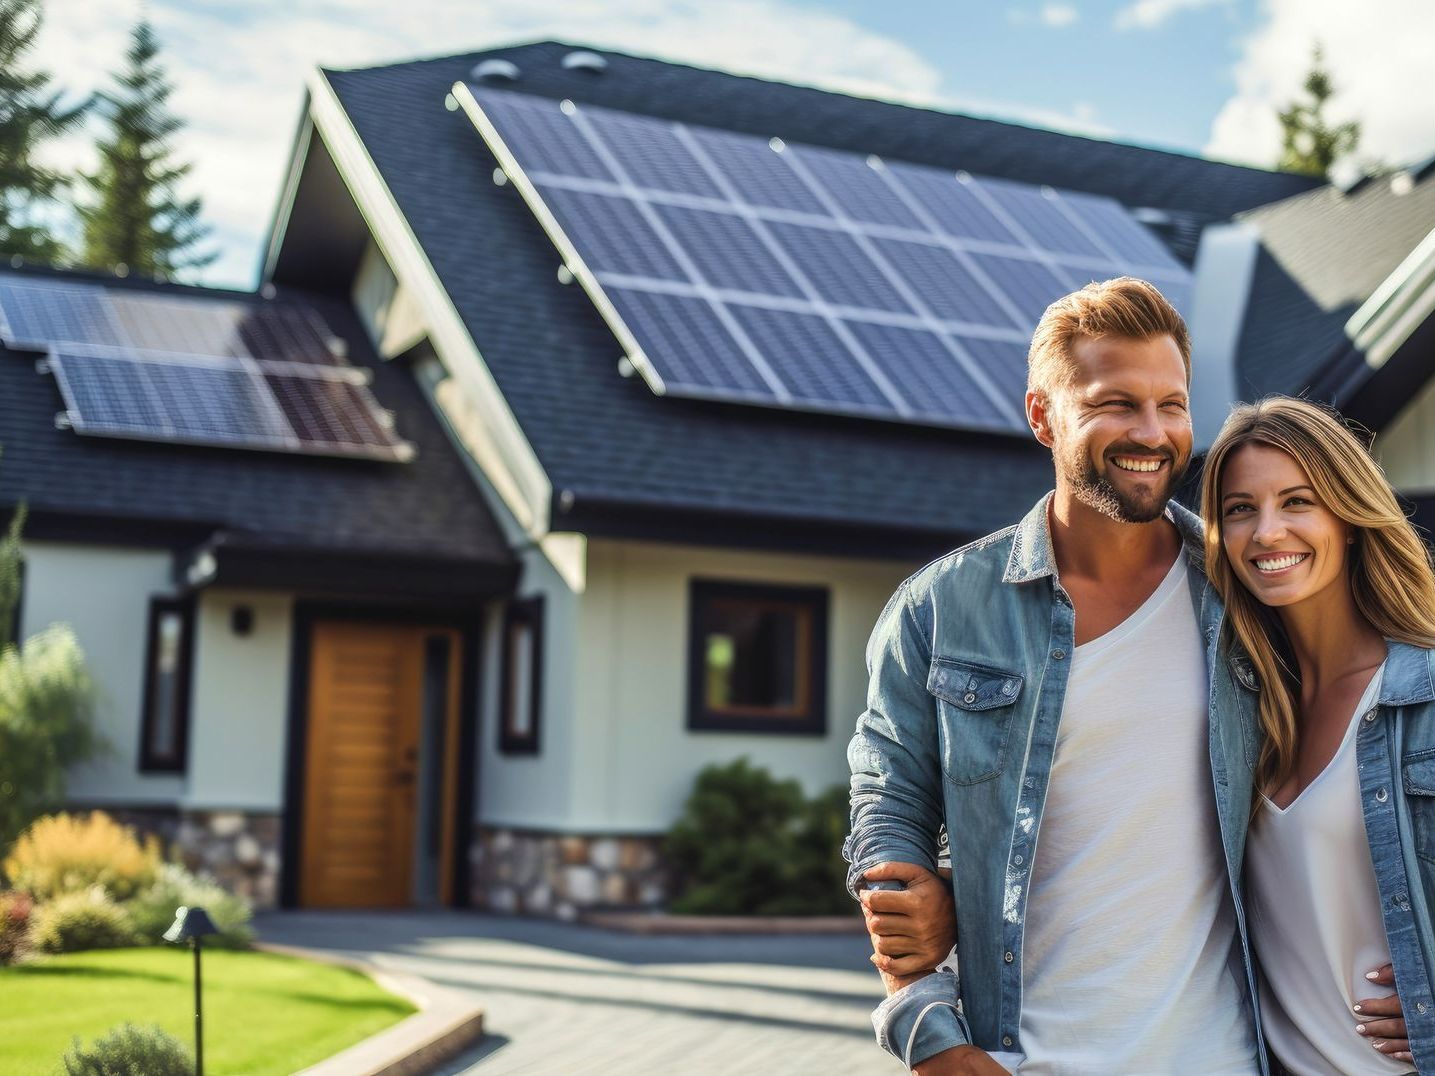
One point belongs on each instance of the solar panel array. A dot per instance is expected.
(738, 268)
(197, 370)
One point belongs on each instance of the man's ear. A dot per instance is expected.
(1038, 416)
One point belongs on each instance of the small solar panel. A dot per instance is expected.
(231, 402)
(749, 269)
(38, 313)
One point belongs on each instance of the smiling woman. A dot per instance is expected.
(1330, 593)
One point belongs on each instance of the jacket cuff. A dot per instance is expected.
(921, 1020)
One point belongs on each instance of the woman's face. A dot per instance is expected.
(1283, 544)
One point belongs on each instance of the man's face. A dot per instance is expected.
(1120, 433)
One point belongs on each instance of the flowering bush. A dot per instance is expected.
(76, 921)
(65, 853)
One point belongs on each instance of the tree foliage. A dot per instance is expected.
(1309, 143)
(31, 112)
(135, 217)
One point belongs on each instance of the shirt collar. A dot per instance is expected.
(1033, 557)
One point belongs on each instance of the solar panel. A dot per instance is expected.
(226, 401)
(736, 267)
(40, 312)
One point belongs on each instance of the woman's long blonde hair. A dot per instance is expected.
(1388, 566)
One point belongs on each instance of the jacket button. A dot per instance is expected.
(970, 697)
(1006, 1040)
(1370, 715)
(1008, 957)
(1420, 1007)
(1058, 654)
(1381, 795)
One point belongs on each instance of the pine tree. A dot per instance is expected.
(30, 113)
(1309, 145)
(136, 218)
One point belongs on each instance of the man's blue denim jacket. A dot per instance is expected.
(969, 665)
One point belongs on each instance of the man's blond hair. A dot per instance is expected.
(1125, 307)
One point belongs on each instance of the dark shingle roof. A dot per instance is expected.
(426, 508)
(1322, 254)
(604, 438)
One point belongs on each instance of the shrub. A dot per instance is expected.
(152, 909)
(748, 843)
(78, 921)
(65, 853)
(14, 926)
(45, 725)
(130, 1050)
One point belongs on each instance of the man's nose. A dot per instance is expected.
(1147, 429)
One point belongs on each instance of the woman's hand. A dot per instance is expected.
(1382, 1020)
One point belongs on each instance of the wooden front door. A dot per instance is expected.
(367, 704)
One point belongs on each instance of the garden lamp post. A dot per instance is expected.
(192, 924)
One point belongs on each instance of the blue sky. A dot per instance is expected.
(1200, 76)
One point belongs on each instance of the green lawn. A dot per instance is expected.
(263, 1013)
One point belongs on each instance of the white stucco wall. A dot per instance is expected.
(239, 706)
(1406, 448)
(633, 758)
(103, 593)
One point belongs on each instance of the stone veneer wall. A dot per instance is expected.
(559, 875)
(239, 848)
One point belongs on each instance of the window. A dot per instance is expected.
(757, 659)
(520, 697)
(164, 724)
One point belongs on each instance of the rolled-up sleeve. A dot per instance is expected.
(893, 756)
(897, 813)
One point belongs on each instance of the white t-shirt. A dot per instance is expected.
(1127, 961)
(1315, 919)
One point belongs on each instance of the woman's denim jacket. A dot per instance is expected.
(1395, 759)
(969, 665)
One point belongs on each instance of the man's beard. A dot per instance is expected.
(1096, 491)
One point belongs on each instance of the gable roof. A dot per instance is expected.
(106, 490)
(1322, 255)
(612, 449)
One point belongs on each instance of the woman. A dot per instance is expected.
(1330, 595)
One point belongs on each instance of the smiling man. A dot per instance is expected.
(1054, 679)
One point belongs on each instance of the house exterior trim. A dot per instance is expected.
(504, 451)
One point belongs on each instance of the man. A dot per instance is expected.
(1056, 677)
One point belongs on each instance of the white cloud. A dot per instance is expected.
(1149, 14)
(1378, 55)
(239, 70)
(1058, 14)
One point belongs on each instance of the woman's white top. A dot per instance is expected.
(1315, 919)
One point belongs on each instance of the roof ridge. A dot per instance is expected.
(935, 108)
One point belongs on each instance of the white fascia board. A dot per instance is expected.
(1225, 261)
(1402, 302)
(505, 454)
(285, 209)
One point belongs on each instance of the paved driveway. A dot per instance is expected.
(561, 998)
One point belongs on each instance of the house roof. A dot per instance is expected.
(1322, 254)
(107, 490)
(608, 444)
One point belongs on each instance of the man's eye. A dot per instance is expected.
(1176, 405)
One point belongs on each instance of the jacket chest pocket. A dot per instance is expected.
(1418, 778)
(975, 706)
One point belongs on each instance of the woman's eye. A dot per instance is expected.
(1237, 508)
(1297, 500)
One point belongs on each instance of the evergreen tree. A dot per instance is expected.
(30, 112)
(135, 217)
(1309, 144)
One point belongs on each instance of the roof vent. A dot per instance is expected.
(495, 71)
(583, 60)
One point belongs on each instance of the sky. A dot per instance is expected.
(1198, 76)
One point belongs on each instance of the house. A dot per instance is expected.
(696, 369)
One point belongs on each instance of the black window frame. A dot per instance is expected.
(811, 721)
(529, 612)
(149, 761)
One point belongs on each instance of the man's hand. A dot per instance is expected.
(960, 1061)
(1381, 1019)
(913, 929)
